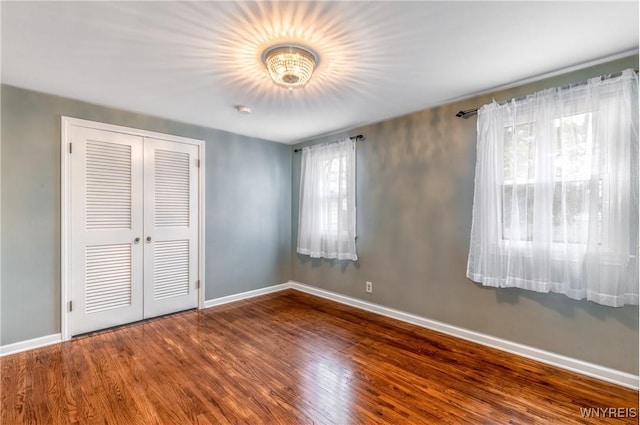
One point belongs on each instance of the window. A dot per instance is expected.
(327, 217)
(556, 195)
(569, 187)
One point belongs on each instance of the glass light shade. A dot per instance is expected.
(289, 66)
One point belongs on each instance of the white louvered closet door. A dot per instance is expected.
(106, 218)
(171, 227)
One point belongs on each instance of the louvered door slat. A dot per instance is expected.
(171, 188)
(108, 185)
(105, 291)
(171, 271)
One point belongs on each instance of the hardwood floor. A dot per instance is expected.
(291, 358)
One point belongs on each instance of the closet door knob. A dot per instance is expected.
(148, 239)
(136, 240)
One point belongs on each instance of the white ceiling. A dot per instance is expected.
(194, 61)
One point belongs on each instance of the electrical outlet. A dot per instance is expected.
(369, 287)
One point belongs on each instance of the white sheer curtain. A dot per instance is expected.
(556, 192)
(327, 218)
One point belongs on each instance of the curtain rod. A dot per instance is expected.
(474, 111)
(357, 138)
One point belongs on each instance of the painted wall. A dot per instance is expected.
(248, 224)
(415, 179)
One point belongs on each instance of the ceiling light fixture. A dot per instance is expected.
(289, 65)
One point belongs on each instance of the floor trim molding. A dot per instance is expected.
(30, 344)
(246, 295)
(600, 372)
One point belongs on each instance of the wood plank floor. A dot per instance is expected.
(290, 358)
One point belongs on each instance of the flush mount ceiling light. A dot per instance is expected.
(289, 65)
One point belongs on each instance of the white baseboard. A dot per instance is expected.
(30, 344)
(606, 374)
(245, 295)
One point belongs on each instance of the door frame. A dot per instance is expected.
(65, 206)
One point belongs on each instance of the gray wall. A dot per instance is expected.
(415, 177)
(248, 224)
